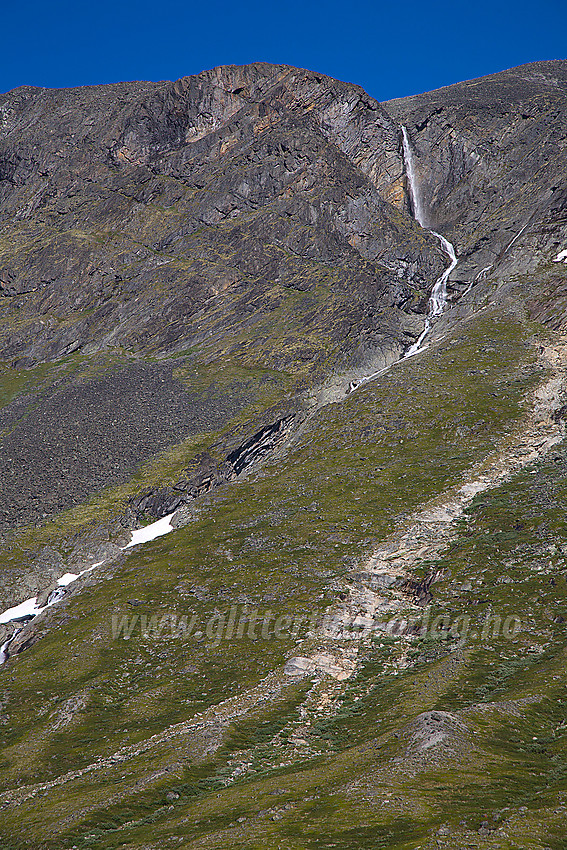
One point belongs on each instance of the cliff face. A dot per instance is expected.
(165, 216)
(218, 198)
(207, 289)
(235, 221)
(492, 163)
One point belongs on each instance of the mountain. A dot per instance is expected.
(312, 350)
(233, 218)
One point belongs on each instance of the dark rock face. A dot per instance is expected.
(491, 159)
(152, 215)
(205, 473)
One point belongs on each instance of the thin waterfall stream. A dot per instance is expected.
(438, 297)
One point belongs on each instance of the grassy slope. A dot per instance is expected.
(262, 387)
(280, 540)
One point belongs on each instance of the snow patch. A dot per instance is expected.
(24, 609)
(150, 532)
(67, 579)
(561, 257)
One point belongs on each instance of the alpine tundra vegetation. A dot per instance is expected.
(283, 476)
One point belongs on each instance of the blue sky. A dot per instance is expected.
(390, 48)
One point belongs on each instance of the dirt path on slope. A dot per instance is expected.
(377, 595)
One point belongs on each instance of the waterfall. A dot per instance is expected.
(4, 650)
(439, 293)
(438, 297)
(413, 185)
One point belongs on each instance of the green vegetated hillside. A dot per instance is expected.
(152, 706)
(285, 540)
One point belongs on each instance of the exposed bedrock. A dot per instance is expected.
(162, 216)
(491, 161)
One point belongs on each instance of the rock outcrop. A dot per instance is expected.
(492, 162)
(164, 216)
